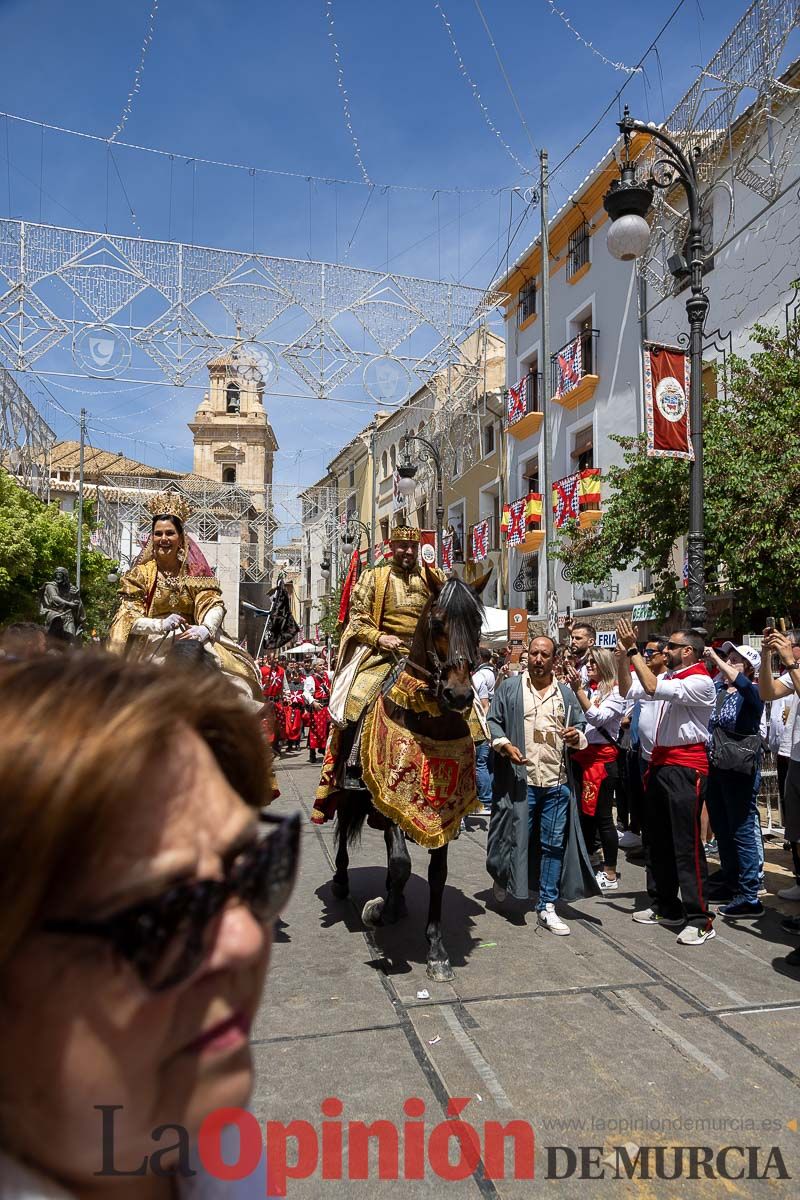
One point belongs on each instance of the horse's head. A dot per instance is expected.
(452, 638)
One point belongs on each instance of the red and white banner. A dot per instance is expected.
(666, 402)
(447, 551)
(480, 541)
(427, 546)
(515, 526)
(517, 401)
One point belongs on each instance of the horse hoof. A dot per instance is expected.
(340, 888)
(372, 912)
(440, 972)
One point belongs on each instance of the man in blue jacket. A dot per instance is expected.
(534, 722)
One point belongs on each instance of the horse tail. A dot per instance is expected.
(351, 812)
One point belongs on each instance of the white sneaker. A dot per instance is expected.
(649, 916)
(790, 893)
(629, 840)
(694, 936)
(499, 893)
(605, 883)
(549, 918)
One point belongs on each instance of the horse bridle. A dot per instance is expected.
(440, 669)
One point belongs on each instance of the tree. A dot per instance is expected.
(752, 494)
(328, 623)
(35, 538)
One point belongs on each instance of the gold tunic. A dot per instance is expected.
(146, 594)
(385, 600)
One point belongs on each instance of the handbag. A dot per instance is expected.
(740, 752)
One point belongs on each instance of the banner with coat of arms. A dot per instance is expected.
(667, 376)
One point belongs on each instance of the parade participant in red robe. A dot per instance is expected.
(276, 689)
(294, 708)
(317, 693)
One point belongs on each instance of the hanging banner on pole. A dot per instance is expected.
(666, 402)
(427, 546)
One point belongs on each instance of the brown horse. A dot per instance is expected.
(439, 668)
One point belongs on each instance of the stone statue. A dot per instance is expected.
(61, 607)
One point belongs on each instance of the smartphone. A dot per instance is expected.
(770, 622)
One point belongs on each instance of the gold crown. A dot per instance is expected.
(404, 533)
(169, 504)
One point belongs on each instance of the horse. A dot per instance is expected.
(439, 670)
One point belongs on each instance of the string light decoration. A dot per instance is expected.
(26, 439)
(702, 124)
(142, 303)
(476, 93)
(617, 66)
(348, 116)
(137, 77)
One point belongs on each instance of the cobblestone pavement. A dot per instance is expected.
(612, 1037)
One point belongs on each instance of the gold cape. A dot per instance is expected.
(193, 597)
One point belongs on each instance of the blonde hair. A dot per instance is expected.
(606, 669)
(82, 736)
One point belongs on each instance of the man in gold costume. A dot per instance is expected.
(171, 596)
(386, 605)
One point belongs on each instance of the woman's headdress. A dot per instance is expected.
(169, 504)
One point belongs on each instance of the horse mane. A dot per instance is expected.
(463, 609)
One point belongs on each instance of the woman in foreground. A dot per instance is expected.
(138, 894)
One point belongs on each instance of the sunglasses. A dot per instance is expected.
(165, 939)
(676, 645)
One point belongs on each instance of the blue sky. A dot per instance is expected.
(253, 81)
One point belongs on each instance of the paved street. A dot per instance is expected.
(614, 1023)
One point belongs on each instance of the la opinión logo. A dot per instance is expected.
(293, 1150)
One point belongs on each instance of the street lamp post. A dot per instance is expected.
(406, 473)
(627, 202)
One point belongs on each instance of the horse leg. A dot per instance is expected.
(340, 884)
(386, 912)
(438, 968)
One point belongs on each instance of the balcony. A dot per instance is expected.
(573, 367)
(576, 497)
(523, 415)
(522, 523)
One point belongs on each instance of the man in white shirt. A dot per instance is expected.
(786, 685)
(675, 784)
(483, 684)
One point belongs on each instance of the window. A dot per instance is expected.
(578, 250)
(422, 516)
(583, 450)
(385, 528)
(232, 398)
(530, 475)
(229, 474)
(488, 439)
(393, 457)
(384, 464)
(526, 303)
(351, 477)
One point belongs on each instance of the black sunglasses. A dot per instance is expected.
(165, 939)
(676, 645)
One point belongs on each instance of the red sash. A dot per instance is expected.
(693, 755)
(593, 761)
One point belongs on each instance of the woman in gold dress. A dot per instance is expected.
(170, 595)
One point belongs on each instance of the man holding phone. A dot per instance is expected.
(534, 722)
(675, 784)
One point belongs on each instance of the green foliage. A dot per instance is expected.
(329, 621)
(752, 494)
(35, 539)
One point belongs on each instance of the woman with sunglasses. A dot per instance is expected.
(604, 707)
(138, 895)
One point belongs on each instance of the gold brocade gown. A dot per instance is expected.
(147, 596)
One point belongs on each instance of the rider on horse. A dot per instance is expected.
(386, 605)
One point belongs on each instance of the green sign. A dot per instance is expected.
(643, 612)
